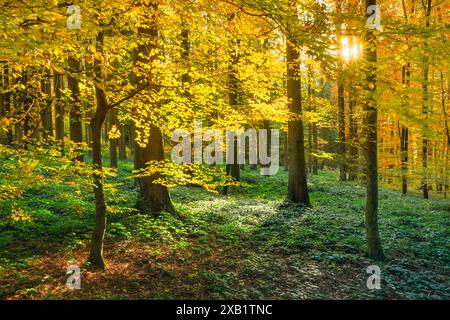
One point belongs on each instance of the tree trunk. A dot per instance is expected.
(425, 99)
(297, 186)
(3, 113)
(447, 131)
(123, 142)
(7, 103)
(353, 159)
(76, 113)
(185, 77)
(59, 111)
(315, 131)
(341, 132)
(286, 152)
(233, 169)
(370, 126)
(47, 120)
(341, 99)
(153, 198)
(404, 133)
(96, 252)
(310, 125)
(315, 164)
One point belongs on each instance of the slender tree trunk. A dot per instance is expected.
(233, 169)
(3, 113)
(446, 143)
(404, 133)
(122, 142)
(25, 102)
(47, 121)
(353, 159)
(341, 132)
(16, 98)
(341, 99)
(425, 99)
(310, 124)
(76, 111)
(88, 129)
(297, 186)
(444, 109)
(96, 251)
(7, 103)
(315, 130)
(87, 109)
(315, 161)
(370, 125)
(59, 111)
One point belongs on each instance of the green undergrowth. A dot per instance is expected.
(270, 248)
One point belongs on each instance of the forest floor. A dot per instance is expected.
(247, 245)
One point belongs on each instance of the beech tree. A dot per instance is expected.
(297, 187)
(370, 148)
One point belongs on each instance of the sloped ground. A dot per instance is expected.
(248, 245)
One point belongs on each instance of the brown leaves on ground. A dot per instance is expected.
(143, 271)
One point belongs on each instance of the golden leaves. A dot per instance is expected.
(18, 214)
(114, 133)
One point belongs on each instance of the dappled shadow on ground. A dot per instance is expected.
(209, 269)
(238, 247)
(138, 272)
(134, 271)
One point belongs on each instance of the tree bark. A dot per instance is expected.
(153, 197)
(315, 164)
(122, 142)
(233, 169)
(353, 137)
(7, 103)
(3, 113)
(297, 186)
(310, 125)
(96, 252)
(47, 119)
(76, 113)
(59, 111)
(341, 99)
(425, 110)
(370, 150)
(404, 133)
(286, 152)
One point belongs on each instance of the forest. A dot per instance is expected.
(224, 149)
